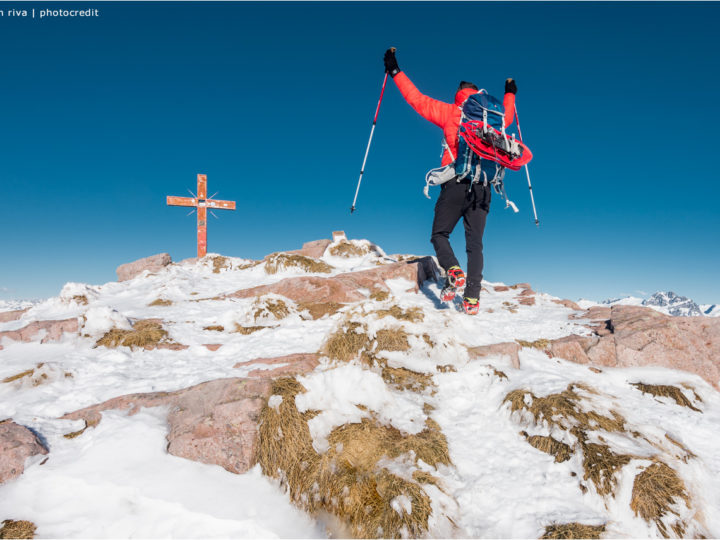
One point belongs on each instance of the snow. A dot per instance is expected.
(117, 480)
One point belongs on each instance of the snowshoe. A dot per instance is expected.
(456, 277)
(448, 293)
(471, 306)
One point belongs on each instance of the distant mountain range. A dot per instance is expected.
(670, 304)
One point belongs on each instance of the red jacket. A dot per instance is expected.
(445, 115)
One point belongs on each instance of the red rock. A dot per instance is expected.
(17, 443)
(344, 288)
(501, 288)
(153, 264)
(314, 249)
(595, 313)
(54, 330)
(508, 348)
(296, 364)
(526, 300)
(567, 303)
(213, 346)
(521, 286)
(640, 336)
(214, 422)
(7, 316)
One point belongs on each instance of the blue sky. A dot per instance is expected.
(103, 117)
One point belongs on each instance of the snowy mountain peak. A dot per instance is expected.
(669, 303)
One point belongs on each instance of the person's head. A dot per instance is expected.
(464, 84)
(465, 89)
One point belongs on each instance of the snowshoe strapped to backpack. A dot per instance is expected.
(482, 136)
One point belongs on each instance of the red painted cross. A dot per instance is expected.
(202, 203)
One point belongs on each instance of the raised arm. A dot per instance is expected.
(431, 109)
(509, 101)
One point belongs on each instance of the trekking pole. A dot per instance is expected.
(372, 131)
(527, 171)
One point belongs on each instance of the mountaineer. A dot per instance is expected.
(462, 195)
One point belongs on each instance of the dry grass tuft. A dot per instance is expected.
(430, 343)
(280, 261)
(215, 328)
(90, 424)
(270, 308)
(147, 333)
(655, 491)
(499, 374)
(549, 445)
(563, 410)
(687, 454)
(379, 295)
(17, 529)
(219, 263)
(346, 480)
(18, 376)
(246, 330)
(600, 465)
(662, 390)
(160, 302)
(347, 341)
(573, 530)
(318, 311)
(447, 368)
(414, 314)
(406, 379)
(392, 339)
(80, 299)
(348, 249)
(540, 344)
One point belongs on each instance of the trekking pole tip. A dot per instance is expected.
(352, 209)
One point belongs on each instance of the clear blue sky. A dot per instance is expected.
(101, 118)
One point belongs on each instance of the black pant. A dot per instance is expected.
(457, 201)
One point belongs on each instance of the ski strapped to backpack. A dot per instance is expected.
(484, 148)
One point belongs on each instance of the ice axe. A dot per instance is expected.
(372, 131)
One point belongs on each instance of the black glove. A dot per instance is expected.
(391, 65)
(510, 86)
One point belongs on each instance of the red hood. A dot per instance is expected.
(463, 94)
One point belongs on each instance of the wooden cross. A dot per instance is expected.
(202, 203)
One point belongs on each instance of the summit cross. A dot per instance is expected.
(202, 203)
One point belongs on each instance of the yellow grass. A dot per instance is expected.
(215, 328)
(80, 299)
(549, 445)
(280, 261)
(573, 530)
(147, 333)
(160, 302)
(17, 529)
(347, 480)
(348, 249)
(414, 314)
(406, 379)
(246, 330)
(379, 295)
(270, 308)
(662, 390)
(655, 491)
(540, 344)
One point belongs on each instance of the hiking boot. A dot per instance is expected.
(448, 293)
(455, 277)
(471, 306)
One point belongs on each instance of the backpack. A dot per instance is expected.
(484, 149)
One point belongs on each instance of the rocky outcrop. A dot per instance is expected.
(153, 264)
(344, 288)
(214, 422)
(638, 336)
(17, 443)
(54, 330)
(508, 348)
(314, 249)
(14, 315)
(292, 364)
